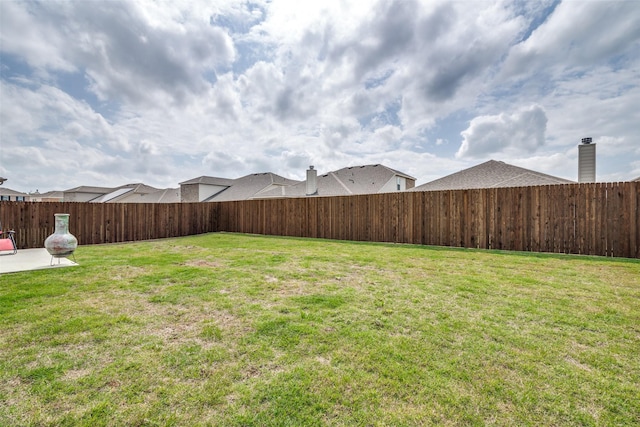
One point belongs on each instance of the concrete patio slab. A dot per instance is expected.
(31, 259)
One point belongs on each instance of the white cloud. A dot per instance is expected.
(160, 92)
(511, 134)
(125, 57)
(40, 43)
(578, 34)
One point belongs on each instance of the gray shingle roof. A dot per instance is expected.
(367, 179)
(491, 174)
(210, 180)
(90, 189)
(250, 186)
(130, 193)
(125, 193)
(168, 195)
(53, 193)
(9, 192)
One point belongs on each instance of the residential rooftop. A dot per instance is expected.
(366, 179)
(491, 174)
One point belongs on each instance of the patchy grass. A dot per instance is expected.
(227, 329)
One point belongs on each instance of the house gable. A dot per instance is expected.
(9, 195)
(85, 193)
(49, 196)
(203, 188)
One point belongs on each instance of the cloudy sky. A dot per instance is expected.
(113, 92)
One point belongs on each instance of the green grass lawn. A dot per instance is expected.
(228, 329)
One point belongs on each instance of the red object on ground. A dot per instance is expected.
(7, 243)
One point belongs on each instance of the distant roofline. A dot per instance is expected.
(9, 192)
(395, 171)
(88, 189)
(208, 180)
(450, 180)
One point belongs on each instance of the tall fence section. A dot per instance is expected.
(595, 219)
(96, 223)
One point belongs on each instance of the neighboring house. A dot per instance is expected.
(168, 195)
(129, 193)
(254, 186)
(213, 189)
(49, 196)
(351, 180)
(202, 188)
(85, 193)
(491, 174)
(367, 179)
(9, 195)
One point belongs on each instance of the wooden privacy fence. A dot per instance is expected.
(94, 223)
(594, 219)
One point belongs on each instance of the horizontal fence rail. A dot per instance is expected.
(594, 219)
